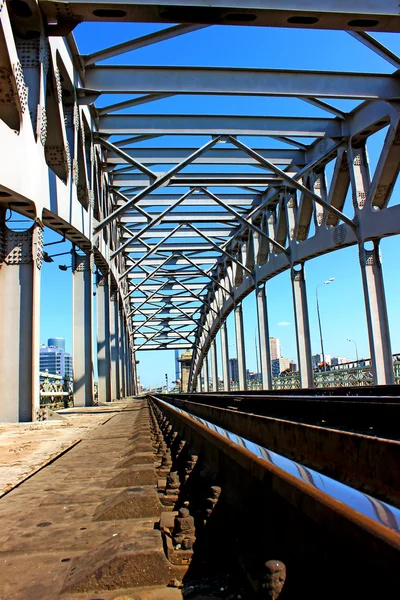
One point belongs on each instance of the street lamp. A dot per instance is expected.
(319, 317)
(355, 345)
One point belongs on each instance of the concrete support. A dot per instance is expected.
(263, 337)
(199, 387)
(225, 357)
(240, 348)
(20, 264)
(206, 376)
(302, 328)
(114, 327)
(214, 365)
(103, 338)
(377, 318)
(82, 284)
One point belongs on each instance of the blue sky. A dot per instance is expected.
(341, 303)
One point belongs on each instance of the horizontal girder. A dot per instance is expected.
(121, 79)
(217, 156)
(376, 15)
(219, 125)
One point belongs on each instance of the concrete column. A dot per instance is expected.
(225, 357)
(82, 313)
(214, 365)
(302, 328)
(199, 387)
(20, 264)
(121, 352)
(114, 327)
(206, 377)
(240, 349)
(103, 338)
(377, 318)
(263, 337)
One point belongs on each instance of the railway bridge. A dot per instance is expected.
(174, 217)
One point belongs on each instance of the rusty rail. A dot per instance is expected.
(326, 535)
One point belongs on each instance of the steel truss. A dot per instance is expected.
(180, 260)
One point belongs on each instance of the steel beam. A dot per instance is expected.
(377, 317)
(219, 125)
(240, 347)
(302, 328)
(377, 15)
(82, 292)
(20, 269)
(122, 79)
(103, 338)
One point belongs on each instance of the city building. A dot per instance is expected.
(54, 359)
(317, 359)
(339, 360)
(278, 365)
(185, 361)
(275, 348)
(177, 368)
(233, 369)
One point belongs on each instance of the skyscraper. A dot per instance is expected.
(54, 359)
(233, 369)
(275, 348)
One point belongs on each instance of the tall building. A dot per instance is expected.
(275, 348)
(233, 369)
(56, 341)
(177, 369)
(54, 359)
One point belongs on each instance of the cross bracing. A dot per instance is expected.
(185, 213)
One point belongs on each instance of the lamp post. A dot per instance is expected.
(319, 318)
(355, 345)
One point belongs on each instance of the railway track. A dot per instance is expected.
(161, 504)
(346, 439)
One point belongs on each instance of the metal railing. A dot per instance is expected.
(356, 373)
(55, 391)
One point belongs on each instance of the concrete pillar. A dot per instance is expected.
(20, 264)
(206, 376)
(214, 365)
(240, 348)
(302, 328)
(127, 363)
(114, 327)
(225, 358)
(263, 337)
(82, 311)
(199, 387)
(377, 318)
(103, 338)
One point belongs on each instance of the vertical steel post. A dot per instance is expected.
(114, 310)
(214, 365)
(240, 348)
(206, 377)
(377, 317)
(225, 357)
(82, 284)
(302, 328)
(103, 338)
(121, 352)
(21, 256)
(263, 336)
